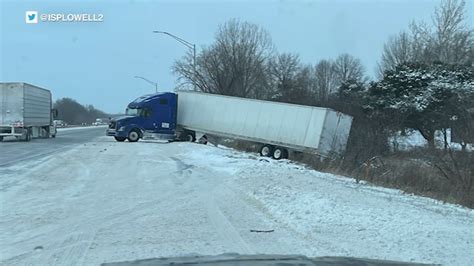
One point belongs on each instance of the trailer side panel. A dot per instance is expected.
(284, 124)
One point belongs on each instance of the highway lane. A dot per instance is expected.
(13, 152)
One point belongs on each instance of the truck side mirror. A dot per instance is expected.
(55, 113)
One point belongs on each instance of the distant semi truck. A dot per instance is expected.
(277, 126)
(26, 112)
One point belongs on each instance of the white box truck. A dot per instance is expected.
(277, 126)
(26, 111)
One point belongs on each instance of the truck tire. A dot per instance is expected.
(266, 150)
(203, 140)
(280, 153)
(27, 135)
(120, 139)
(189, 136)
(133, 135)
(1, 138)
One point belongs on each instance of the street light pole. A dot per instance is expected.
(149, 81)
(189, 45)
(194, 65)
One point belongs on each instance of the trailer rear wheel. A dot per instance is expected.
(133, 135)
(266, 150)
(203, 140)
(280, 153)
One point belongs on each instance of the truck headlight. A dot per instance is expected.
(121, 129)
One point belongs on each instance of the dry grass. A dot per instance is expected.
(413, 172)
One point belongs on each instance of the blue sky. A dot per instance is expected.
(95, 63)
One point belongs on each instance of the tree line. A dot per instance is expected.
(242, 62)
(424, 83)
(74, 113)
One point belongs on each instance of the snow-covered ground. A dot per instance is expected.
(107, 201)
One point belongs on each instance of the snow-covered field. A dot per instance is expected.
(107, 201)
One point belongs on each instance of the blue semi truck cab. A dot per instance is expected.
(151, 116)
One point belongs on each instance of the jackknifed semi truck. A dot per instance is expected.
(26, 111)
(278, 127)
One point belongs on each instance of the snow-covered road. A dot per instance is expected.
(107, 201)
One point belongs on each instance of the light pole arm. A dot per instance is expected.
(184, 42)
(149, 81)
(189, 45)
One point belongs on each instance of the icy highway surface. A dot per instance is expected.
(104, 201)
(13, 151)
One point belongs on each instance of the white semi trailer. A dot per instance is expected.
(277, 126)
(26, 111)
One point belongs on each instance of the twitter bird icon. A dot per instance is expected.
(31, 17)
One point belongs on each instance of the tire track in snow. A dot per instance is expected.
(225, 228)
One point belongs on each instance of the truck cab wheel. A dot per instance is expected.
(189, 136)
(133, 136)
(26, 135)
(266, 150)
(120, 139)
(280, 153)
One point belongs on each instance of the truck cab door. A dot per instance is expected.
(164, 117)
(146, 118)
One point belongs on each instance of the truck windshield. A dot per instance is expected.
(132, 111)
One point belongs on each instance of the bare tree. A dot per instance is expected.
(292, 81)
(453, 39)
(325, 79)
(448, 40)
(396, 51)
(236, 64)
(347, 67)
(283, 69)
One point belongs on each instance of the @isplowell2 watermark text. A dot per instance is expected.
(33, 17)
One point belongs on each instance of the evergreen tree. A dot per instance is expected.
(422, 97)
